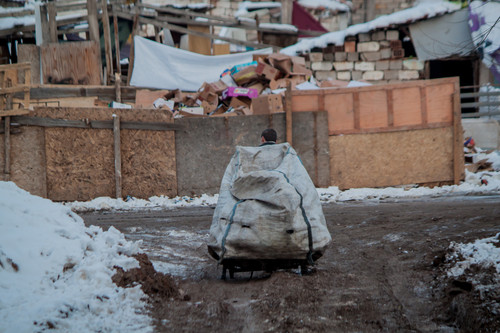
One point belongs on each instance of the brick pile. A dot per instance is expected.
(376, 57)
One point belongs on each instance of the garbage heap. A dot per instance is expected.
(256, 87)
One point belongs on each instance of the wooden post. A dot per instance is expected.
(117, 44)
(157, 35)
(458, 136)
(118, 84)
(93, 22)
(288, 109)
(52, 12)
(286, 11)
(132, 50)
(44, 36)
(107, 40)
(6, 168)
(118, 156)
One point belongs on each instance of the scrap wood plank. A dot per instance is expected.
(160, 22)
(97, 124)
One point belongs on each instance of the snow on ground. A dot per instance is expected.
(55, 273)
(472, 185)
(482, 252)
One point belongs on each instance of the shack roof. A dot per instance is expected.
(423, 10)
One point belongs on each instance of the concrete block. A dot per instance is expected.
(382, 65)
(385, 53)
(413, 64)
(321, 66)
(364, 66)
(373, 75)
(343, 66)
(357, 75)
(368, 47)
(378, 35)
(408, 75)
(396, 64)
(392, 35)
(485, 132)
(316, 56)
(370, 56)
(344, 76)
(325, 75)
(391, 74)
(340, 56)
(352, 56)
(364, 37)
(328, 57)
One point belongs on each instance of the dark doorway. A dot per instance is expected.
(463, 68)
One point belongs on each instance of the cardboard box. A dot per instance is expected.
(269, 72)
(206, 89)
(257, 86)
(267, 104)
(259, 57)
(239, 92)
(238, 68)
(237, 102)
(219, 49)
(245, 75)
(281, 62)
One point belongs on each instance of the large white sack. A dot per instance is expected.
(268, 208)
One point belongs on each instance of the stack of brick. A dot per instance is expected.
(376, 57)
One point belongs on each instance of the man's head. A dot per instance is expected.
(269, 135)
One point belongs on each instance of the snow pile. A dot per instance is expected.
(107, 203)
(55, 273)
(419, 11)
(483, 252)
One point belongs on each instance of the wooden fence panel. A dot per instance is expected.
(71, 63)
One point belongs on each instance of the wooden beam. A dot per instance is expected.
(6, 169)
(200, 34)
(97, 124)
(107, 40)
(117, 44)
(52, 13)
(93, 22)
(289, 113)
(132, 50)
(118, 156)
(458, 137)
(118, 92)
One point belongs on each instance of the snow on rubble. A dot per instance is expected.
(56, 274)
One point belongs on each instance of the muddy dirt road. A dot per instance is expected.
(384, 271)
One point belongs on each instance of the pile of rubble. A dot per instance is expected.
(256, 87)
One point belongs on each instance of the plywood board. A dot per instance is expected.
(394, 158)
(439, 103)
(380, 108)
(309, 102)
(373, 109)
(27, 160)
(71, 63)
(340, 109)
(30, 53)
(406, 107)
(80, 162)
(148, 163)
(201, 45)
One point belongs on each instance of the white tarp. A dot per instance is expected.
(164, 67)
(268, 208)
(443, 36)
